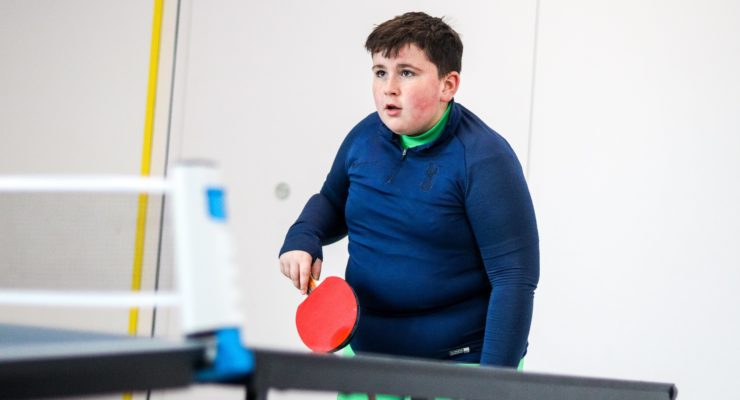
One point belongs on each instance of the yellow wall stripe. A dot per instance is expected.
(146, 157)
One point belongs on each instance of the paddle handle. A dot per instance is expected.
(312, 283)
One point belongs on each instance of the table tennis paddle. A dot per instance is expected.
(328, 316)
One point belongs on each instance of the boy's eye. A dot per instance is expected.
(380, 73)
(407, 73)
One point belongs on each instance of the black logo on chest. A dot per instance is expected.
(428, 182)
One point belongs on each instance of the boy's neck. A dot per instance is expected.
(428, 136)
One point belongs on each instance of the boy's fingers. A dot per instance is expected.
(295, 274)
(285, 261)
(305, 270)
(284, 270)
(316, 269)
(296, 265)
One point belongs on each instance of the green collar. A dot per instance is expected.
(428, 136)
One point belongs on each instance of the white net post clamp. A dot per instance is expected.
(206, 270)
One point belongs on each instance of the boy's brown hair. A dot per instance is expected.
(439, 41)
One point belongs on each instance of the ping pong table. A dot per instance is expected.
(37, 362)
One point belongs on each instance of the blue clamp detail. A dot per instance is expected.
(232, 360)
(216, 198)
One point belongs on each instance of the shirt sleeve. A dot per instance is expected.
(501, 214)
(322, 220)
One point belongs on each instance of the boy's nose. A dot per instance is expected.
(391, 87)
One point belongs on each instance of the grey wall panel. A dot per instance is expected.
(73, 89)
(70, 241)
(73, 80)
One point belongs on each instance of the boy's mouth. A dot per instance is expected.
(392, 110)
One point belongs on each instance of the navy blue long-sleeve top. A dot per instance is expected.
(443, 243)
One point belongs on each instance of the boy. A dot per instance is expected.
(443, 243)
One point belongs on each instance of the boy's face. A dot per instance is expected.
(409, 95)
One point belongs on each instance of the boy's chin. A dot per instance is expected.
(403, 132)
(395, 128)
(399, 132)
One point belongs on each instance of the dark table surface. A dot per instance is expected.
(44, 362)
(40, 362)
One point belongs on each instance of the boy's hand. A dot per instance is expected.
(297, 266)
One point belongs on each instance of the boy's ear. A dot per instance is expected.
(450, 84)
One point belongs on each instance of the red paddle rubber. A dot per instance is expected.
(327, 318)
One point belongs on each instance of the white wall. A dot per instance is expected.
(636, 179)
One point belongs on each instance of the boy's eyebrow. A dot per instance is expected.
(399, 66)
(402, 66)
